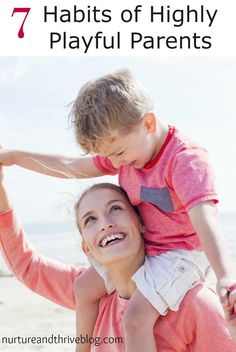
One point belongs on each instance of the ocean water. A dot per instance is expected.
(62, 242)
(56, 241)
(228, 222)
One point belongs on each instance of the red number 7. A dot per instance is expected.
(21, 9)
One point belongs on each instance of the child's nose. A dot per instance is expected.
(116, 162)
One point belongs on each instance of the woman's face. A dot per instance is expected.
(109, 226)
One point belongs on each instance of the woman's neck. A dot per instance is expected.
(122, 272)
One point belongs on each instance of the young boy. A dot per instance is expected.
(169, 178)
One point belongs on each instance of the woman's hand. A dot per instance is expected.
(6, 157)
(1, 175)
(230, 312)
(1, 172)
(4, 202)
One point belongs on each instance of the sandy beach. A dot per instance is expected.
(25, 314)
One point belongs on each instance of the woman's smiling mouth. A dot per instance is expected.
(111, 239)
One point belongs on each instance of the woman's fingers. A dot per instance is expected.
(232, 299)
(224, 296)
(230, 313)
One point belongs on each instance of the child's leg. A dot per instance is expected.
(138, 322)
(89, 288)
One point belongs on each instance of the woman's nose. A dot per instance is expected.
(106, 224)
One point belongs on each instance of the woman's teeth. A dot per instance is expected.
(111, 238)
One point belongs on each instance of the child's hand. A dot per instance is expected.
(6, 157)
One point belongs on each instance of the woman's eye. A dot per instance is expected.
(115, 207)
(89, 219)
(118, 154)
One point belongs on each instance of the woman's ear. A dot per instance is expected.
(149, 121)
(85, 248)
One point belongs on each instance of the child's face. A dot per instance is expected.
(135, 149)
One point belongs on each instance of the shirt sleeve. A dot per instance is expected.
(193, 178)
(47, 277)
(104, 164)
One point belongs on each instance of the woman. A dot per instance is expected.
(197, 326)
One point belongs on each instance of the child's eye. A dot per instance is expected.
(89, 219)
(118, 154)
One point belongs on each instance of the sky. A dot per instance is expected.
(195, 94)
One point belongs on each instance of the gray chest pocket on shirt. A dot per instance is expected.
(159, 197)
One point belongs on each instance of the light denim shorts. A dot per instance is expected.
(165, 279)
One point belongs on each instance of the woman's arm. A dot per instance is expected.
(48, 278)
(44, 276)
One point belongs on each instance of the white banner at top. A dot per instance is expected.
(126, 28)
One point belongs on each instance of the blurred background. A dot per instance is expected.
(197, 95)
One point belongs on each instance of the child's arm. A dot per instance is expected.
(51, 165)
(206, 224)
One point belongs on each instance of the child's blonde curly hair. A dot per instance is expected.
(115, 102)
